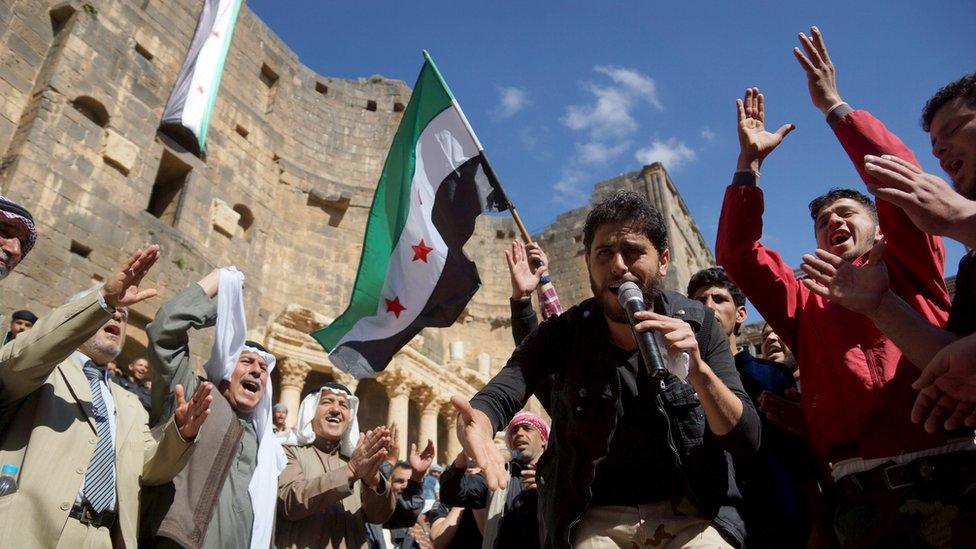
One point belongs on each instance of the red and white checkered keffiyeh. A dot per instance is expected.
(15, 213)
(531, 419)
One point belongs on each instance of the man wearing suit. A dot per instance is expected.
(82, 444)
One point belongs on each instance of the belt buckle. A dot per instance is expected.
(887, 478)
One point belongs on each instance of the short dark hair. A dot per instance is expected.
(402, 465)
(835, 194)
(965, 87)
(715, 277)
(624, 205)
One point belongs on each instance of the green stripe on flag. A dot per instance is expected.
(391, 204)
(205, 124)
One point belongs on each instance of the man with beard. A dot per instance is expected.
(82, 444)
(512, 510)
(332, 484)
(226, 495)
(610, 419)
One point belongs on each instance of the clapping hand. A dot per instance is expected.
(947, 396)
(371, 450)
(420, 461)
(858, 288)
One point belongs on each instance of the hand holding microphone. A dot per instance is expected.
(632, 300)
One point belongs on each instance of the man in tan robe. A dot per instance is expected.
(332, 486)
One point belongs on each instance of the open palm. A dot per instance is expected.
(755, 142)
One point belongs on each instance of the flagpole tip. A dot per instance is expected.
(426, 54)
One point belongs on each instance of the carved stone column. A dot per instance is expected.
(428, 422)
(453, 445)
(292, 373)
(399, 412)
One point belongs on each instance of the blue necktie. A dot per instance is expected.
(100, 477)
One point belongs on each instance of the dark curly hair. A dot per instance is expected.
(965, 87)
(715, 277)
(624, 205)
(836, 194)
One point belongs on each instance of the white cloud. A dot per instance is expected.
(599, 153)
(640, 85)
(708, 134)
(568, 188)
(610, 116)
(510, 101)
(670, 152)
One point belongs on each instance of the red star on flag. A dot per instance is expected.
(215, 34)
(420, 251)
(394, 306)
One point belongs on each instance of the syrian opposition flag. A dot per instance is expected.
(413, 272)
(191, 102)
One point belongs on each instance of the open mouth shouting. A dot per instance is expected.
(840, 237)
(113, 329)
(251, 386)
(952, 167)
(334, 419)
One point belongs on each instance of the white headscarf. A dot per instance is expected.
(306, 414)
(231, 333)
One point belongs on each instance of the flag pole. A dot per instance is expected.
(489, 171)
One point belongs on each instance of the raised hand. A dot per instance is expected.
(477, 437)
(947, 386)
(420, 461)
(755, 143)
(931, 204)
(121, 288)
(526, 265)
(371, 450)
(189, 416)
(859, 289)
(393, 450)
(821, 76)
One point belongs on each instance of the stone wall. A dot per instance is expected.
(282, 191)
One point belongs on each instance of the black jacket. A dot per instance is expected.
(461, 489)
(579, 387)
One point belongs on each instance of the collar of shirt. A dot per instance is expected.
(81, 359)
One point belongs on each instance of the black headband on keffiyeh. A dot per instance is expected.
(13, 212)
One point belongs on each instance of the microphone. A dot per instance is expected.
(632, 299)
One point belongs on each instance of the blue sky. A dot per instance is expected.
(566, 94)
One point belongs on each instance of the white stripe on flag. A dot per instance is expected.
(205, 69)
(444, 145)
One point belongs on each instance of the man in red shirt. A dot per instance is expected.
(857, 394)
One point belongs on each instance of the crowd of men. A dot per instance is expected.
(854, 429)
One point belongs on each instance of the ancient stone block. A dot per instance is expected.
(223, 217)
(119, 152)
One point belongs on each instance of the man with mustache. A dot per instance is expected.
(610, 418)
(511, 511)
(225, 497)
(857, 383)
(332, 484)
(17, 235)
(81, 443)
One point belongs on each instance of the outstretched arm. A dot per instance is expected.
(761, 273)
(27, 361)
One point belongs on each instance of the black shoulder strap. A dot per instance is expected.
(704, 335)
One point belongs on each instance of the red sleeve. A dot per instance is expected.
(758, 271)
(918, 258)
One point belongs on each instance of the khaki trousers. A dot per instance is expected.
(83, 536)
(662, 525)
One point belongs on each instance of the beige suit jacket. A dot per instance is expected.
(46, 428)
